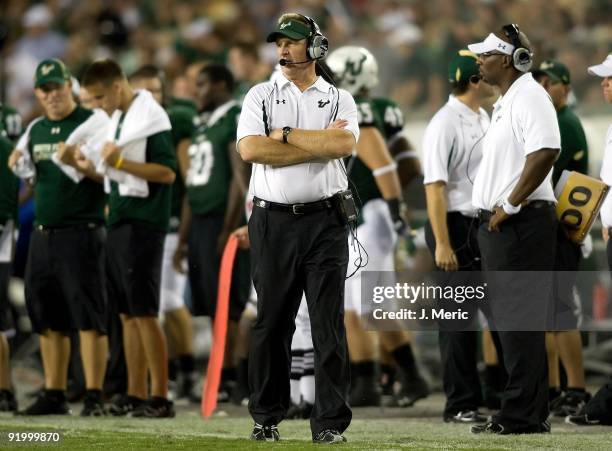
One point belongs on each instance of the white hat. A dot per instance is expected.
(37, 15)
(604, 69)
(492, 43)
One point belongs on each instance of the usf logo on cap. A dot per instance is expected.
(284, 25)
(46, 69)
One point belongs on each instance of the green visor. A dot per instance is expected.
(291, 29)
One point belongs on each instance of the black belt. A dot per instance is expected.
(296, 209)
(68, 228)
(485, 215)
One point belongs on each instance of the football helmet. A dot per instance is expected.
(354, 68)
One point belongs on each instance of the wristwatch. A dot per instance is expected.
(286, 131)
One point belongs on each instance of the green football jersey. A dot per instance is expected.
(58, 200)
(9, 184)
(574, 154)
(360, 174)
(152, 211)
(210, 169)
(391, 115)
(182, 121)
(10, 122)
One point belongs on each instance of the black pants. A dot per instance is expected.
(459, 349)
(526, 242)
(291, 255)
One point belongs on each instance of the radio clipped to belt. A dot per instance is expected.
(345, 204)
(579, 200)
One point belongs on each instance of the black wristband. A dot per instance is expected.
(395, 208)
(286, 131)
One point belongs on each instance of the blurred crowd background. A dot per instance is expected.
(412, 39)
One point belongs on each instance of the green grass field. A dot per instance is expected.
(419, 427)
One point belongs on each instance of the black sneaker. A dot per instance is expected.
(496, 428)
(123, 404)
(488, 428)
(581, 420)
(467, 416)
(329, 436)
(93, 406)
(188, 390)
(412, 391)
(48, 404)
(265, 433)
(8, 403)
(365, 392)
(156, 407)
(569, 403)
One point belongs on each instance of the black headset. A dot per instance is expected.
(316, 44)
(521, 57)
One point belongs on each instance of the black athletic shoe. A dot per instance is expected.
(581, 420)
(569, 403)
(467, 416)
(48, 404)
(93, 406)
(412, 391)
(365, 393)
(488, 428)
(265, 433)
(8, 403)
(156, 407)
(123, 404)
(496, 428)
(329, 436)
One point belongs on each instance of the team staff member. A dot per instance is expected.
(65, 276)
(9, 193)
(139, 212)
(597, 410)
(514, 194)
(452, 148)
(177, 317)
(295, 129)
(564, 341)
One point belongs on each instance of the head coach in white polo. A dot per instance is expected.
(514, 195)
(295, 129)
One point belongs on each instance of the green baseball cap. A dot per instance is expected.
(555, 70)
(51, 71)
(291, 29)
(462, 66)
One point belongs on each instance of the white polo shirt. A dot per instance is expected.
(606, 177)
(279, 103)
(523, 121)
(452, 150)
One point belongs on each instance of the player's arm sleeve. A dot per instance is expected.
(439, 145)
(160, 150)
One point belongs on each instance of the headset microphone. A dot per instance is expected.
(284, 62)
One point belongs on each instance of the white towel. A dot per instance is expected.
(90, 135)
(144, 118)
(24, 167)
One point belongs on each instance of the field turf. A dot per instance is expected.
(419, 427)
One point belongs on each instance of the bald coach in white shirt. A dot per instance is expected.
(514, 195)
(295, 129)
